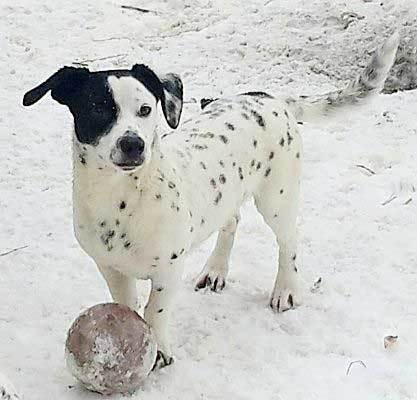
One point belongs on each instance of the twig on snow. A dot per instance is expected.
(13, 251)
(316, 286)
(86, 61)
(142, 10)
(392, 198)
(348, 17)
(111, 38)
(355, 362)
(365, 168)
(390, 341)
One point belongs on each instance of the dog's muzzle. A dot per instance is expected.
(130, 148)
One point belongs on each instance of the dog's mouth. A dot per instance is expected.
(129, 166)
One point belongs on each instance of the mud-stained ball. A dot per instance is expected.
(110, 349)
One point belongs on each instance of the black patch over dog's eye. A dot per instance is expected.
(144, 111)
(99, 108)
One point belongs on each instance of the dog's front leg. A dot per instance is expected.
(159, 308)
(122, 288)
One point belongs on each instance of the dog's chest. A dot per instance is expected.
(109, 225)
(128, 225)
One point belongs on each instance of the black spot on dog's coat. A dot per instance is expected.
(207, 135)
(289, 138)
(230, 126)
(271, 155)
(255, 143)
(282, 142)
(82, 159)
(174, 256)
(240, 173)
(224, 139)
(222, 179)
(267, 171)
(106, 238)
(218, 198)
(122, 205)
(258, 118)
(200, 146)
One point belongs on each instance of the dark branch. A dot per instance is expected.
(13, 251)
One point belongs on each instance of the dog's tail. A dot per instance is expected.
(369, 82)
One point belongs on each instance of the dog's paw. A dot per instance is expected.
(214, 280)
(162, 360)
(284, 299)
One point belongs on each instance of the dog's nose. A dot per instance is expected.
(131, 145)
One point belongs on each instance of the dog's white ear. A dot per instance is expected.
(172, 99)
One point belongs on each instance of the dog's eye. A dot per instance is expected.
(144, 111)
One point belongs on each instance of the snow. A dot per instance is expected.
(229, 345)
(7, 390)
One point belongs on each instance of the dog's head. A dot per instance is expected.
(115, 112)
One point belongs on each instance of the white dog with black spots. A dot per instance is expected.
(142, 201)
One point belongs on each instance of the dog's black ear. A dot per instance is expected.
(168, 90)
(173, 99)
(63, 84)
(149, 79)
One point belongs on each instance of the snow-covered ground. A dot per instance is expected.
(358, 230)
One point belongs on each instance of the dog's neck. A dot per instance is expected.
(94, 175)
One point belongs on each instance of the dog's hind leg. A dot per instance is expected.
(122, 288)
(278, 204)
(215, 271)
